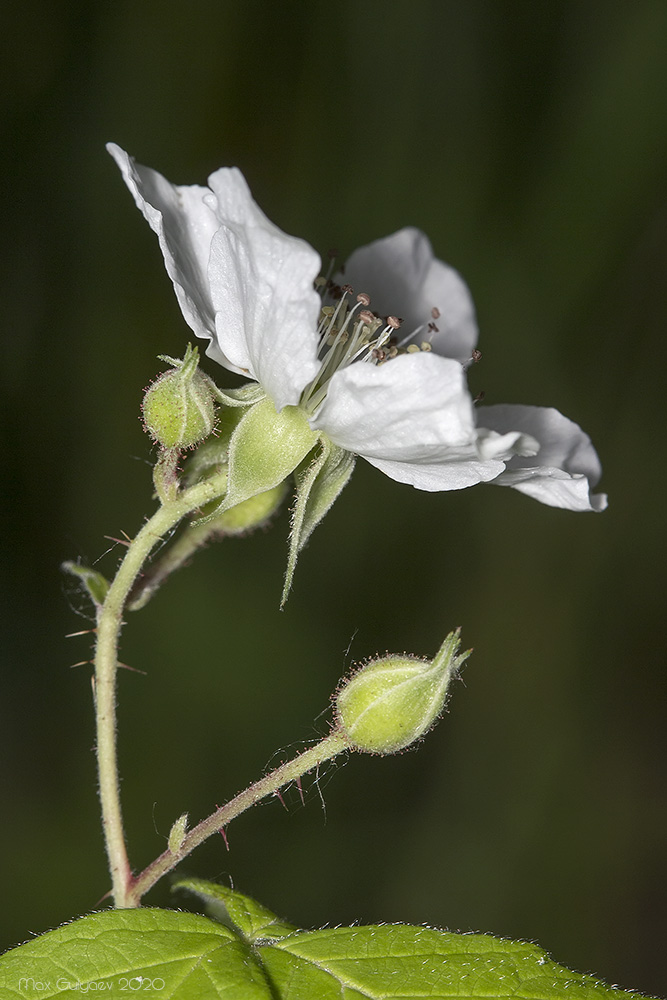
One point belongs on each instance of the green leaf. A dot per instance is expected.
(318, 485)
(155, 952)
(395, 961)
(183, 956)
(250, 918)
(96, 584)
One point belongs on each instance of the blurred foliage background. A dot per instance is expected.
(529, 140)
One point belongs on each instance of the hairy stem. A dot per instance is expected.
(178, 553)
(109, 623)
(329, 747)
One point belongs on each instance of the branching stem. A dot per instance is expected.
(109, 623)
(307, 761)
(178, 553)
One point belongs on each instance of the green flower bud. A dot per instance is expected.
(250, 514)
(177, 833)
(390, 702)
(178, 408)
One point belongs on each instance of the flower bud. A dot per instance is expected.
(392, 701)
(250, 514)
(177, 833)
(178, 408)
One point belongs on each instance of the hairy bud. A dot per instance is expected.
(178, 408)
(392, 701)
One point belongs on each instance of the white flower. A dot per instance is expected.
(397, 397)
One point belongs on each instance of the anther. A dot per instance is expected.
(435, 312)
(364, 299)
(367, 317)
(393, 322)
(476, 355)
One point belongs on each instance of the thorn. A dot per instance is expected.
(119, 541)
(135, 670)
(92, 684)
(102, 898)
(281, 799)
(297, 782)
(84, 631)
(224, 837)
(81, 663)
(125, 535)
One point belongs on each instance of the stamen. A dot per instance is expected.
(330, 315)
(473, 359)
(342, 335)
(409, 337)
(348, 333)
(392, 324)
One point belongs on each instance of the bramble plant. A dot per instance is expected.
(368, 360)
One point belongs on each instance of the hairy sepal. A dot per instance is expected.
(265, 449)
(318, 485)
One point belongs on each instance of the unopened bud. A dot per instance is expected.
(392, 701)
(250, 514)
(177, 833)
(178, 407)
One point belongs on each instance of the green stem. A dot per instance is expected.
(329, 747)
(109, 623)
(178, 553)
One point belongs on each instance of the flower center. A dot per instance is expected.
(349, 331)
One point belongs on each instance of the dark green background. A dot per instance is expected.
(529, 140)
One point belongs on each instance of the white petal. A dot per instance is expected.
(566, 466)
(404, 279)
(261, 283)
(411, 417)
(185, 226)
(460, 470)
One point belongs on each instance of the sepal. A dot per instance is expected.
(265, 449)
(212, 457)
(245, 395)
(318, 486)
